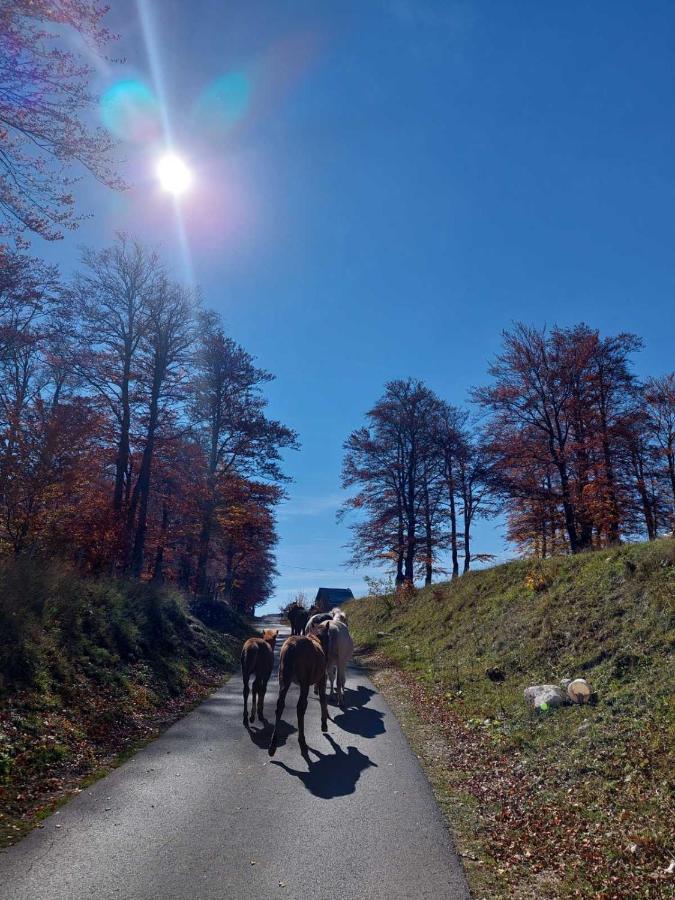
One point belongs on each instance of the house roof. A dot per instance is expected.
(335, 595)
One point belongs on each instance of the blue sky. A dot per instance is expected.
(388, 186)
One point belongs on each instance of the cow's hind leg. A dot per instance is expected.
(246, 677)
(324, 705)
(331, 678)
(255, 696)
(283, 690)
(262, 687)
(302, 707)
(341, 686)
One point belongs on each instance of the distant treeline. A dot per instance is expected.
(566, 441)
(134, 437)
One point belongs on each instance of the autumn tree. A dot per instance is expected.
(418, 480)
(476, 491)
(642, 466)
(449, 437)
(564, 437)
(45, 105)
(113, 293)
(530, 402)
(165, 349)
(659, 395)
(246, 538)
(371, 465)
(48, 434)
(238, 438)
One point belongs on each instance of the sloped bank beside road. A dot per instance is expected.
(572, 802)
(89, 670)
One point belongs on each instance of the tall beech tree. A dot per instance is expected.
(247, 538)
(659, 395)
(449, 438)
(371, 464)
(237, 436)
(531, 406)
(113, 293)
(475, 490)
(165, 349)
(412, 477)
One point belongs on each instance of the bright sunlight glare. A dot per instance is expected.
(174, 175)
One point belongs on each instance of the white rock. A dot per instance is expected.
(549, 694)
(579, 690)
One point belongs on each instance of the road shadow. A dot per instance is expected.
(262, 734)
(357, 699)
(367, 723)
(356, 717)
(331, 775)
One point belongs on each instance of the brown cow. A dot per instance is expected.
(297, 616)
(257, 658)
(303, 661)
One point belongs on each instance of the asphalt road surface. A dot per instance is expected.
(203, 812)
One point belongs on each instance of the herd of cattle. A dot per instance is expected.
(319, 647)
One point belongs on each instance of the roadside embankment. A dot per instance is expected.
(89, 670)
(569, 802)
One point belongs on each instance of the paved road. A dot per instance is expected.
(204, 813)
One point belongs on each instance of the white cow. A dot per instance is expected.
(339, 650)
(338, 615)
(315, 620)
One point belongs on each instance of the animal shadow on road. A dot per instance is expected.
(261, 736)
(358, 718)
(331, 775)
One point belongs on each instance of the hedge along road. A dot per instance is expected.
(203, 812)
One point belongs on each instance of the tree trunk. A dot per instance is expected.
(158, 568)
(411, 522)
(647, 508)
(450, 480)
(201, 585)
(428, 538)
(399, 550)
(203, 554)
(144, 474)
(228, 581)
(568, 509)
(670, 455)
(122, 461)
(467, 540)
(543, 537)
(185, 567)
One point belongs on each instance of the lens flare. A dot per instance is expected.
(174, 175)
(130, 111)
(224, 102)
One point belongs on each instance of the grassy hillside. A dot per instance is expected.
(568, 802)
(89, 669)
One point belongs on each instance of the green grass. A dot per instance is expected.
(600, 772)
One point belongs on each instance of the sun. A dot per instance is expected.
(173, 173)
